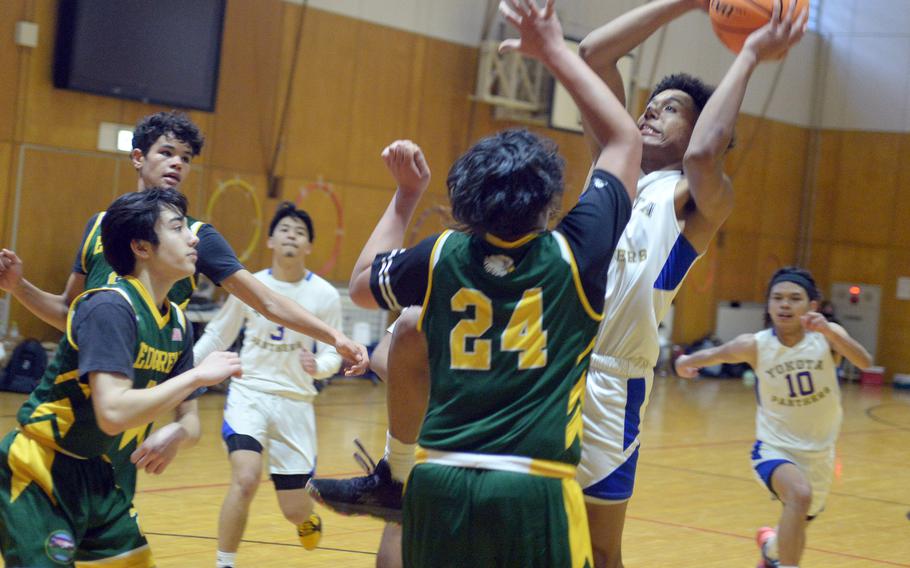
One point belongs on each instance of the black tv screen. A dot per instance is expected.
(157, 51)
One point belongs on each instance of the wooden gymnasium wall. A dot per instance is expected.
(356, 87)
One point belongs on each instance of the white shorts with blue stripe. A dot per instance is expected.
(284, 426)
(614, 408)
(818, 467)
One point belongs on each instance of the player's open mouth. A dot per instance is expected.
(648, 129)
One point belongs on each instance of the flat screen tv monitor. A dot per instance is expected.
(164, 52)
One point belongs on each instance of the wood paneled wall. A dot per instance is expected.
(355, 87)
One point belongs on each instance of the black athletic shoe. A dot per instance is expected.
(375, 494)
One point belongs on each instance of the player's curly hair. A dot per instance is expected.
(131, 217)
(173, 123)
(692, 86)
(288, 209)
(503, 184)
(799, 276)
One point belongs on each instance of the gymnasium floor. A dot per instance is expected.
(696, 504)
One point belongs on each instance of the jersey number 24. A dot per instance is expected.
(524, 334)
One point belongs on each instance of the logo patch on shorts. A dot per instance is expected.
(60, 547)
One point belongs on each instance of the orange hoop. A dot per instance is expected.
(443, 211)
(329, 190)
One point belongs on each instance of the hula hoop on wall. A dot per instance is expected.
(327, 188)
(245, 187)
(441, 210)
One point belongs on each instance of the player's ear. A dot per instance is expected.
(137, 157)
(142, 250)
(813, 305)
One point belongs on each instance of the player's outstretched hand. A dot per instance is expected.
(814, 321)
(772, 40)
(355, 353)
(10, 270)
(307, 361)
(540, 30)
(408, 166)
(159, 449)
(684, 369)
(218, 366)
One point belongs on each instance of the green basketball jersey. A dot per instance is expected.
(509, 330)
(98, 273)
(59, 413)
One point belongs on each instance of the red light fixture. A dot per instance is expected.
(854, 294)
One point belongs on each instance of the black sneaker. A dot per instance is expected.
(375, 494)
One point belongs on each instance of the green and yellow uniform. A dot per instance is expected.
(216, 260)
(60, 500)
(509, 328)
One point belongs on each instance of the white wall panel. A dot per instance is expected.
(867, 83)
(837, 15)
(464, 25)
(400, 14)
(351, 8)
(880, 17)
(837, 74)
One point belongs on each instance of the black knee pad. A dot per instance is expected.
(243, 442)
(294, 481)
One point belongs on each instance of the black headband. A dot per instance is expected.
(797, 279)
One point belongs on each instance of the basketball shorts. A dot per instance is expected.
(286, 427)
(56, 510)
(613, 412)
(457, 516)
(818, 467)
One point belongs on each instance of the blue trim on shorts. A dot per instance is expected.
(635, 397)
(226, 430)
(766, 469)
(756, 450)
(680, 259)
(619, 484)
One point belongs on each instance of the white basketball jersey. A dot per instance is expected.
(270, 353)
(798, 394)
(650, 262)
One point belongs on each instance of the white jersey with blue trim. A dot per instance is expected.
(270, 353)
(798, 395)
(650, 262)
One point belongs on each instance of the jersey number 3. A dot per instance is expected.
(524, 334)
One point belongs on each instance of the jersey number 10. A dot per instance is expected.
(524, 334)
(803, 383)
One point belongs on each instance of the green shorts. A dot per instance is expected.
(455, 516)
(56, 510)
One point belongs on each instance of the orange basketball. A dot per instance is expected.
(734, 20)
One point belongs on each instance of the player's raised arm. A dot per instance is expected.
(838, 338)
(406, 162)
(605, 46)
(704, 159)
(609, 123)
